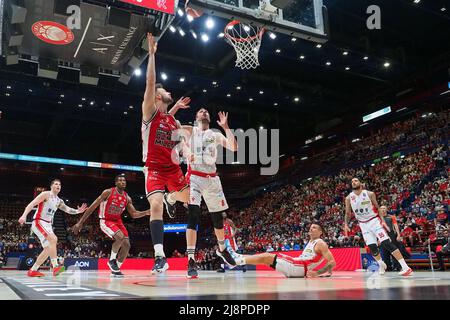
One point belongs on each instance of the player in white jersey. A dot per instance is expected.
(364, 205)
(47, 204)
(201, 153)
(315, 252)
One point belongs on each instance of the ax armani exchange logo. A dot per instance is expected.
(104, 44)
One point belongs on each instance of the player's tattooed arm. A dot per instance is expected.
(69, 210)
(133, 212)
(347, 215)
(148, 105)
(322, 248)
(40, 198)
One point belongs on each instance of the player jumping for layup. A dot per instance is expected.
(48, 203)
(204, 181)
(315, 252)
(160, 171)
(364, 205)
(113, 203)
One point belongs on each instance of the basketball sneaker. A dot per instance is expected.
(170, 207)
(112, 264)
(32, 273)
(381, 267)
(226, 257)
(405, 273)
(160, 266)
(58, 270)
(192, 272)
(117, 274)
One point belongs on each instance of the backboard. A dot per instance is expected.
(306, 19)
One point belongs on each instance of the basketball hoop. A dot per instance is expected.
(246, 41)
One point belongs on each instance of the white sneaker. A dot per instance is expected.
(405, 273)
(381, 267)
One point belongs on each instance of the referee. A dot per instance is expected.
(394, 235)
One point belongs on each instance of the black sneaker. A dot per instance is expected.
(160, 266)
(170, 208)
(244, 268)
(117, 274)
(112, 264)
(192, 269)
(220, 270)
(226, 256)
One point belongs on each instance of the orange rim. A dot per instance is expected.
(247, 39)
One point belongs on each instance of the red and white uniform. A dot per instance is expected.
(201, 176)
(308, 260)
(229, 236)
(110, 213)
(368, 218)
(157, 145)
(42, 224)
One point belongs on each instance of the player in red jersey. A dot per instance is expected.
(48, 203)
(113, 203)
(158, 143)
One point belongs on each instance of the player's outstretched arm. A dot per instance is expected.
(77, 227)
(40, 198)
(322, 248)
(133, 212)
(182, 103)
(229, 142)
(148, 105)
(69, 210)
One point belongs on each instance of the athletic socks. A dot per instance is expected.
(119, 264)
(34, 267)
(273, 265)
(403, 264)
(191, 252)
(113, 255)
(54, 262)
(157, 231)
(221, 244)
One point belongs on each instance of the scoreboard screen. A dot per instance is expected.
(167, 6)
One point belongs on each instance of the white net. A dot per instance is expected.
(246, 41)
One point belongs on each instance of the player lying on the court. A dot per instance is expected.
(48, 203)
(364, 205)
(113, 203)
(201, 154)
(315, 252)
(160, 170)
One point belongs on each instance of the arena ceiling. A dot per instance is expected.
(300, 88)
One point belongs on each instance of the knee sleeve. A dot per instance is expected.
(217, 220)
(389, 246)
(193, 217)
(374, 250)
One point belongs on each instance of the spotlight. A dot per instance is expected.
(386, 64)
(347, 68)
(193, 33)
(366, 58)
(205, 37)
(328, 63)
(172, 29)
(345, 53)
(164, 76)
(296, 99)
(272, 36)
(180, 12)
(138, 72)
(278, 50)
(302, 57)
(209, 23)
(182, 79)
(318, 46)
(294, 39)
(181, 32)
(190, 18)
(221, 35)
